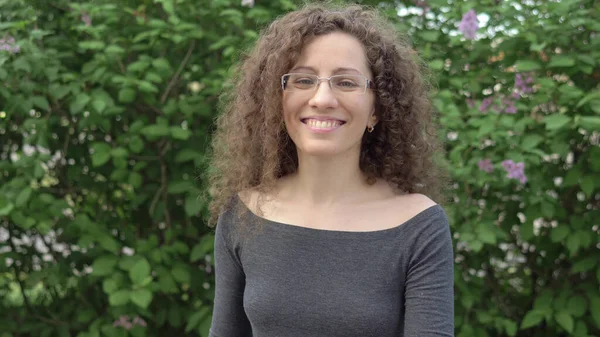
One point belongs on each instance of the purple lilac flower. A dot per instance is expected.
(85, 17)
(469, 24)
(486, 165)
(9, 44)
(509, 105)
(485, 104)
(248, 3)
(523, 85)
(515, 170)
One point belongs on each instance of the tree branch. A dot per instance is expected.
(176, 76)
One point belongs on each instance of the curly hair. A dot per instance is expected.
(251, 148)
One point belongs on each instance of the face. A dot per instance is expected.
(326, 122)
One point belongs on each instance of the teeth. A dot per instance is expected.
(322, 124)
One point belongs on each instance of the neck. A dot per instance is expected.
(325, 180)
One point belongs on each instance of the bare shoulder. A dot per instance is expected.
(407, 206)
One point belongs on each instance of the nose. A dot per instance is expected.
(323, 98)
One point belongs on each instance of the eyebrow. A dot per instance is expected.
(335, 71)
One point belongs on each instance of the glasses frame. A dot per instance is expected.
(368, 83)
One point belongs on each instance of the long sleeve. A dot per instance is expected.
(429, 291)
(229, 318)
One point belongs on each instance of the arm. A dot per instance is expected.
(429, 290)
(229, 318)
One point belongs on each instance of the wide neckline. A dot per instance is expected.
(330, 233)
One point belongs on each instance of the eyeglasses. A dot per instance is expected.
(356, 84)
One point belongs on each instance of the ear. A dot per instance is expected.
(373, 118)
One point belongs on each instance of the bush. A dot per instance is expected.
(106, 110)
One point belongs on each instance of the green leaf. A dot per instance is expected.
(114, 49)
(554, 122)
(23, 197)
(127, 95)
(79, 103)
(140, 271)
(561, 61)
(104, 265)
(559, 233)
(148, 87)
(577, 306)
(135, 179)
(527, 66)
(107, 242)
(510, 327)
(587, 184)
(186, 155)
(486, 234)
(565, 321)
(141, 297)
(99, 105)
(92, 45)
(436, 64)
(41, 102)
(136, 144)
(101, 154)
(179, 133)
(595, 307)
(181, 273)
(202, 248)
(429, 35)
(156, 130)
(591, 123)
(109, 286)
(591, 96)
(573, 243)
(192, 206)
(531, 141)
(585, 264)
(532, 318)
(195, 318)
(119, 298)
(6, 207)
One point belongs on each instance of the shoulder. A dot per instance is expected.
(408, 206)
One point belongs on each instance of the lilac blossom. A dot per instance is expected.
(248, 3)
(523, 86)
(486, 165)
(509, 105)
(9, 44)
(515, 170)
(124, 322)
(469, 24)
(485, 104)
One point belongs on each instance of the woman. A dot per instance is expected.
(322, 162)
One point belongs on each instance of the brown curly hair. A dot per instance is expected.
(251, 148)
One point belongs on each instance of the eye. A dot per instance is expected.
(347, 84)
(304, 81)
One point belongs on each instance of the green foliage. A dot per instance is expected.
(105, 115)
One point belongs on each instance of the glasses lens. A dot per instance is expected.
(300, 82)
(348, 83)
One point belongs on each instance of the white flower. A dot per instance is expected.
(248, 3)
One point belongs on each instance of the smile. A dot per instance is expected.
(324, 125)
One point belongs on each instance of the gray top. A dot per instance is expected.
(296, 281)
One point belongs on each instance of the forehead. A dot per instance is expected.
(336, 50)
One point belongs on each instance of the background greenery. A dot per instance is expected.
(106, 109)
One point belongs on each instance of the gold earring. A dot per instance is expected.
(371, 128)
